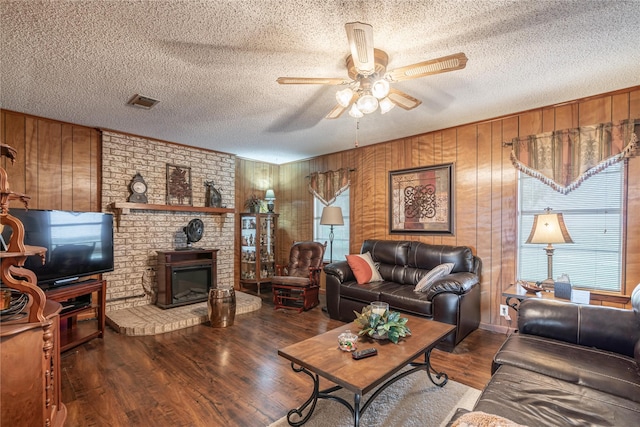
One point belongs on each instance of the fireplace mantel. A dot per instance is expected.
(124, 208)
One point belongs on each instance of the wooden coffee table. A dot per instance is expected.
(320, 357)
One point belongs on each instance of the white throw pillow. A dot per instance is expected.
(433, 275)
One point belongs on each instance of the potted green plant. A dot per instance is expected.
(386, 326)
(253, 204)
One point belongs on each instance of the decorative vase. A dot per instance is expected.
(221, 307)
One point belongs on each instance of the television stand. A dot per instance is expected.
(73, 333)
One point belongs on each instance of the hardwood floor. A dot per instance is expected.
(217, 376)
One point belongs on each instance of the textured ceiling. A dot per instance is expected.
(213, 65)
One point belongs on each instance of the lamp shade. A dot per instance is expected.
(344, 97)
(367, 103)
(354, 112)
(549, 228)
(331, 215)
(270, 195)
(386, 105)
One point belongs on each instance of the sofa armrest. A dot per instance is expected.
(340, 270)
(456, 283)
(605, 328)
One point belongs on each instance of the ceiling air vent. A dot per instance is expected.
(142, 101)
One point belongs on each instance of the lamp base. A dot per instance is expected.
(547, 284)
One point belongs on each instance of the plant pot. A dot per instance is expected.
(377, 336)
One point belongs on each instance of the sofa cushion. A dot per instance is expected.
(400, 297)
(600, 370)
(366, 292)
(363, 268)
(426, 256)
(404, 298)
(433, 275)
(580, 324)
(534, 399)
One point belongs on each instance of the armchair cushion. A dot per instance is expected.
(363, 268)
(433, 275)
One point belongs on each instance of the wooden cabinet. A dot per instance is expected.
(29, 335)
(257, 248)
(30, 372)
(77, 299)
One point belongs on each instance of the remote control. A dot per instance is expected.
(361, 354)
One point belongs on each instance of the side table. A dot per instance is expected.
(515, 294)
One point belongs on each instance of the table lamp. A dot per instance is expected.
(331, 215)
(270, 197)
(549, 228)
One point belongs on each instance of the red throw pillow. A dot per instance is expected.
(363, 268)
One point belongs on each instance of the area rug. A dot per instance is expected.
(411, 401)
(151, 320)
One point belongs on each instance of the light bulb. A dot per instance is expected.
(386, 105)
(380, 89)
(354, 112)
(367, 103)
(344, 97)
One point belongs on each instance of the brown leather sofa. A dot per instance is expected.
(453, 299)
(569, 364)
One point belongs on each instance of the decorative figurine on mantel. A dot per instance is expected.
(213, 198)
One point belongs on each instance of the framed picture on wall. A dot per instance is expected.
(421, 200)
(179, 185)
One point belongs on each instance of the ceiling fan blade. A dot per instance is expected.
(403, 100)
(360, 38)
(312, 81)
(335, 112)
(435, 66)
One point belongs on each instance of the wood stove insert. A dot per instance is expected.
(185, 277)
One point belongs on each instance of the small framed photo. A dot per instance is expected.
(421, 200)
(179, 185)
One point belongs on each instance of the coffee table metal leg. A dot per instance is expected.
(312, 400)
(439, 375)
(440, 380)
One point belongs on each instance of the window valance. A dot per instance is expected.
(326, 186)
(564, 159)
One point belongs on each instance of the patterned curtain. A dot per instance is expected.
(564, 159)
(326, 186)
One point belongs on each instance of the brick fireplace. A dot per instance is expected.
(141, 234)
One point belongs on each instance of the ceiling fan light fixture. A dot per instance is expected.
(367, 103)
(344, 97)
(386, 105)
(380, 88)
(354, 112)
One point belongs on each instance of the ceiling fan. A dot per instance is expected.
(368, 82)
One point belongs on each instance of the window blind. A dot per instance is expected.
(340, 232)
(593, 216)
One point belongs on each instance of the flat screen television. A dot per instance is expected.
(78, 243)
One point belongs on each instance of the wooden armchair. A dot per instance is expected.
(296, 284)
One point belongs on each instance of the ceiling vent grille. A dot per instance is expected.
(142, 101)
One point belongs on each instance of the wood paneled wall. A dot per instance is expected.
(58, 164)
(485, 187)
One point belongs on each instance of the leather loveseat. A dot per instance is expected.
(569, 364)
(453, 299)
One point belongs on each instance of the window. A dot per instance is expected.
(593, 216)
(340, 232)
